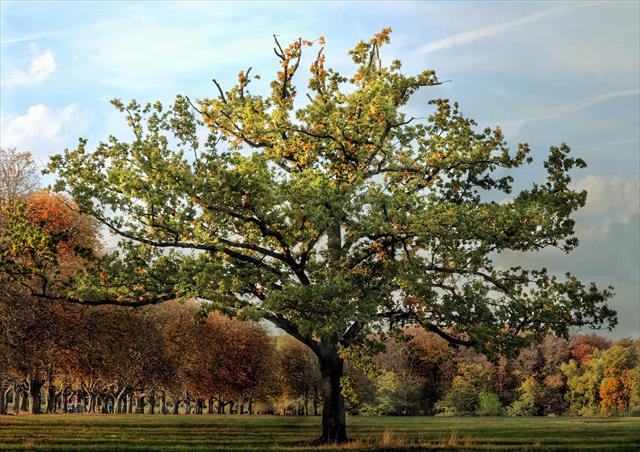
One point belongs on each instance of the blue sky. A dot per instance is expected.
(546, 72)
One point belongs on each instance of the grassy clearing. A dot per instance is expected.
(249, 433)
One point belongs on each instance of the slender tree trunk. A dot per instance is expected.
(51, 398)
(211, 409)
(24, 400)
(220, 407)
(130, 403)
(6, 399)
(91, 403)
(65, 401)
(140, 405)
(117, 408)
(176, 406)
(17, 399)
(50, 395)
(250, 406)
(152, 403)
(34, 395)
(163, 403)
(334, 427)
(3, 400)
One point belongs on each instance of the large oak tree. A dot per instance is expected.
(333, 215)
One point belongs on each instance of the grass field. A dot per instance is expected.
(249, 433)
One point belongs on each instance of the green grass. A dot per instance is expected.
(249, 433)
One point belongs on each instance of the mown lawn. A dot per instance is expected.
(249, 433)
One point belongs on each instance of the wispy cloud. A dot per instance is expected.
(43, 64)
(473, 35)
(588, 102)
(571, 107)
(58, 33)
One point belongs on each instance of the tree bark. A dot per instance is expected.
(65, 401)
(334, 426)
(92, 402)
(117, 408)
(3, 406)
(19, 400)
(140, 405)
(51, 398)
(152, 403)
(34, 395)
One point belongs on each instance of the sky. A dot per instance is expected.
(546, 72)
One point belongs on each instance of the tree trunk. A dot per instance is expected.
(51, 398)
(211, 409)
(3, 405)
(18, 400)
(176, 406)
(163, 403)
(117, 404)
(250, 406)
(140, 405)
(34, 395)
(130, 403)
(24, 400)
(92, 402)
(152, 403)
(334, 427)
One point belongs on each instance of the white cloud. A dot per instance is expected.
(41, 130)
(43, 64)
(609, 252)
(608, 201)
(473, 35)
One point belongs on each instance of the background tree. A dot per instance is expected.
(18, 176)
(335, 220)
(300, 379)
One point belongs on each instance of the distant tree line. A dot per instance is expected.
(421, 374)
(175, 358)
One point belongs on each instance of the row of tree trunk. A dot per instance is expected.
(26, 397)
